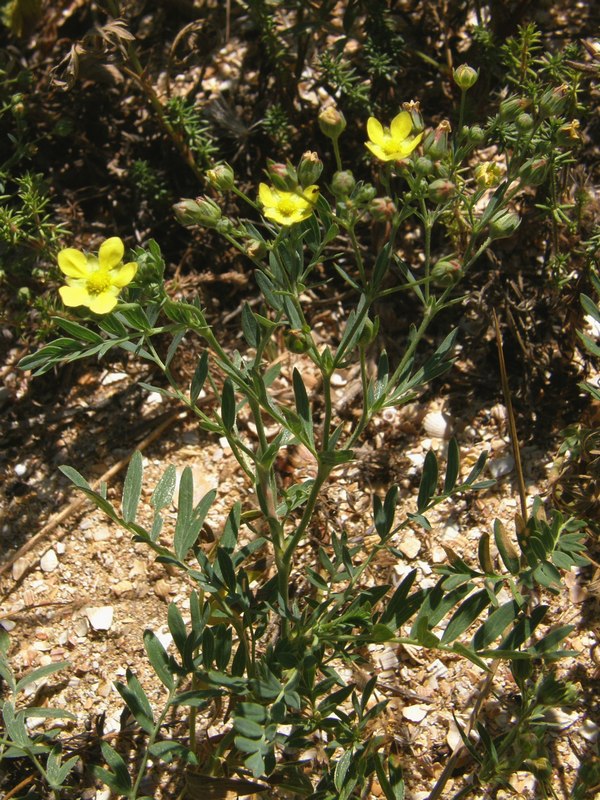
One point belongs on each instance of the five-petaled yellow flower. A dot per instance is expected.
(395, 142)
(286, 208)
(93, 281)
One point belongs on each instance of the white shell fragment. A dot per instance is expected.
(49, 561)
(416, 713)
(437, 425)
(501, 466)
(100, 617)
(499, 413)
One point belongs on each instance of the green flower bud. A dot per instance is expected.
(554, 101)
(296, 341)
(332, 122)
(441, 190)
(364, 194)
(342, 183)
(283, 176)
(435, 144)
(221, 177)
(533, 172)
(475, 134)
(309, 169)
(512, 107)
(382, 209)
(255, 248)
(414, 109)
(503, 224)
(465, 77)
(446, 271)
(524, 122)
(201, 211)
(369, 332)
(424, 166)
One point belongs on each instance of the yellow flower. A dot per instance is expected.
(395, 142)
(93, 281)
(488, 174)
(286, 208)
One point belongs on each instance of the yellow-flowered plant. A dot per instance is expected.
(488, 174)
(286, 208)
(95, 281)
(395, 142)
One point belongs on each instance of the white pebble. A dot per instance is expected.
(20, 470)
(49, 561)
(100, 617)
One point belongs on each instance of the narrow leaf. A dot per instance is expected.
(132, 487)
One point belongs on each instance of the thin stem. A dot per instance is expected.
(151, 740)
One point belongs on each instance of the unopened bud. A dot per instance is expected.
(503, 224)
(332, 122)
(309, 169)
(342, 183)
(201, 211)
(221, 177)
(474, 133)
(369, 332)
(283, 176)
(424, 166)
(255, 248)
(364, 194)
(441, 190)
(533, 172)
(382, 209)
(446, 271)
(435, 144)
(296, 341)
(554, 101)
(465, 77)
(512, 107)
(414, 109)
(524, 122)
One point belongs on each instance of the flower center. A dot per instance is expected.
(98, 282)
(286, 208)
(389, 144)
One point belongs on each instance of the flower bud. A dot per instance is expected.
(503, 224)
(475, 134)
(533, 172)
(424, 166)
(414, 109)
(382, 209)
(512, 107)
(524, 122)
(465, 77)
(342, 183)
(487, 174)
(221, 177)
(283, 176)
(364, 194)
(441, 190)
(435, 144)
(554, 101)
(309, 169)
(201, 211)
(332, 122)
(296, 341)
(369, 332)
(255, 248)
(446, 271)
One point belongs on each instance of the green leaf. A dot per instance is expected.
(590, 307)
(452, 465)
(428, 481)
(137, 702)
(14, 724)
(341, 769)
(157, 655)
(189, 520)
(163, 491)
(169, 750)
(199, 377)
(132, 487)
(465, 615)
(301, 397)
(384, 513)
(57, 772)
(250, 326)
(496, 624)
(119, 780)
(39, 673)
(78, 331)
(507, 550)
(477, 469)
(228, 405)
(268, 290)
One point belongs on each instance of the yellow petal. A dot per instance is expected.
(111, 253)
(379, 152)
(121, 277)
(375, 130)
(408, 146)
(266, 195)
(73, 263)
(74, 296)
(311, 193)
(104, 302)
(401, 126)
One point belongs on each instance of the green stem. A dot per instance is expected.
(336, 153)
(151, 740)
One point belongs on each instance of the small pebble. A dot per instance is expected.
(49, 561)
(20, 470)
(415, 713)
(19, 568)
(100, 617)
(501, 466)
